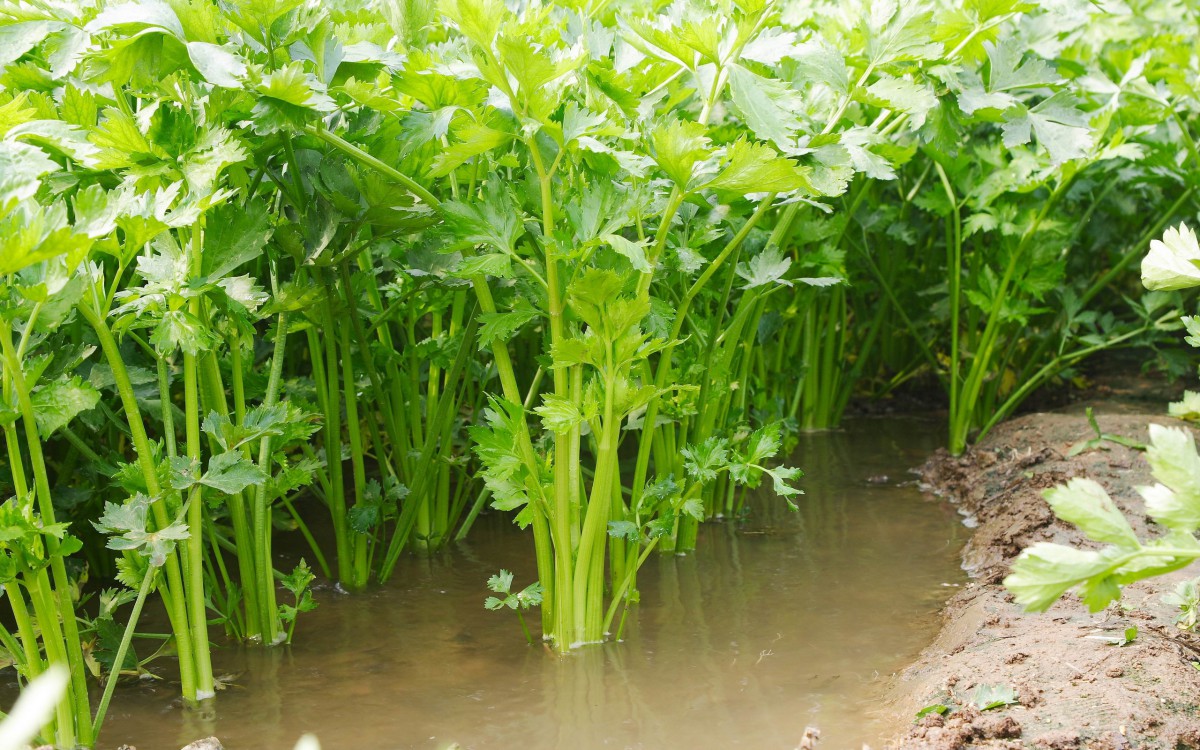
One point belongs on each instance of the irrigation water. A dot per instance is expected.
(781, 621)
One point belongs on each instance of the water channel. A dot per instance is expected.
(781, 621)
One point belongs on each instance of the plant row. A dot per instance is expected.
(359, 271)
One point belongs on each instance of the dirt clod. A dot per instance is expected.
(1062, 739)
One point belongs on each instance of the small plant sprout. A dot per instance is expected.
(1186, 598)
(530, 596)
(129, 528)
(941, 709)
(1097, 442)
(297, 582)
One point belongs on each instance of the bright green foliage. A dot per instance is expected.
(1044, 572)
(530, 596)
(297, 583)
(591, 265)
(1186, 598)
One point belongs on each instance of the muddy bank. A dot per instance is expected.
(1075, 689)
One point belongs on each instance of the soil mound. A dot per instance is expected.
(1075, 688)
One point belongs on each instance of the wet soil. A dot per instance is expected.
(1075, 688)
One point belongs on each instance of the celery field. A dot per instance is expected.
(348, 284)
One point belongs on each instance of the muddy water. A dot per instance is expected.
(784, 621)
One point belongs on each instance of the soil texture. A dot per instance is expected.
(1075, 687)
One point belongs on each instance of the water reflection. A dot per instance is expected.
(781, 621)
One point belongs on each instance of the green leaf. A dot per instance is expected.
(988, 697)
(819, 61)
(179, 329)
(627, 530)
(231, 472)
(63, 137)
(236, 234)
(298, 581)
(501, 583)
(1084, 503)
(56, 403)
(478, 20)
(364, 518)
(559, 414)
(1061, 128)
(129, 526)
(1175, 502)
(493, 221)
(289, 98)
(757, 168)
(1044, 572)
(18, 38)
(497, 265)
(470, 140)
(218, 65)
(937, 708)
(634, 252)
(703, 461)
(677, 147)
(693, 508)
(770, 107)
(501, 326)
(768, 267)
(21, 169)
(905, 96)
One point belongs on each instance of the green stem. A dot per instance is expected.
(173, 594)
(261, 511)
(73, 656)
(126, 639)
(194, 551)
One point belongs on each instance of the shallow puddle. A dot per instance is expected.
(784, 621)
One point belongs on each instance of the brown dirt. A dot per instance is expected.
(1075, 690)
